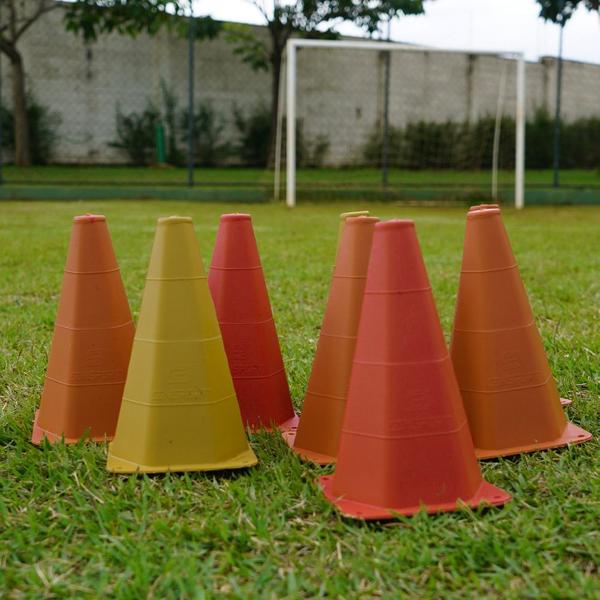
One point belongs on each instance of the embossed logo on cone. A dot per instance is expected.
(405, 443)
(239, 291)
(507, 387)
(92, 339)
(179, 410)
(317, 437)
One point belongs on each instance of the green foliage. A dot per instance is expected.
(452, 145)
(248, 46)
(208, 128)
(169, 120)
(43, 130)
(91, 18)
(560, 11)
(136, 134)
(310, 153)
(253, 135)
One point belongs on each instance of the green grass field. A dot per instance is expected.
(306, 177)
(70, 529)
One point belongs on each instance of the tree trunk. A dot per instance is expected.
(22, 149)
(276, 59)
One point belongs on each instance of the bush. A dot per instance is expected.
(310, 153)
(453, 145)
(136, 134)
(43, 130)
(252, 146)
(208, 128)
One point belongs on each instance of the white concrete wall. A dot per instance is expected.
(340, 91)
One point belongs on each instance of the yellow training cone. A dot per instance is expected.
(179, 409)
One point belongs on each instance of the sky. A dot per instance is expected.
(491, 25)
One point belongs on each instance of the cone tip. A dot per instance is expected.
(396, 224)
(236, 217)
(483, 213)
(173, 220)
(362, 220)
(355, 213)
(88, 218)
(483, 206)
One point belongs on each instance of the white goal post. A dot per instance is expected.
(291, 108)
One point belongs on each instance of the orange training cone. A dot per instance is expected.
(317, 437)
(242, 303)
(91, 344)
(563, 401)
(405, 442)
(179, 411)
(508, 390)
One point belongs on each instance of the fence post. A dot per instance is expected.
(556, 165)
(385, 153)
(1, 132)
(191, 33)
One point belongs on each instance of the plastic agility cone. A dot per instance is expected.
(508, 390)
(405, 443)
(343, 217)
(241, 300)
(317, 437)
(563, 401)
(91, 344)
(179, 410)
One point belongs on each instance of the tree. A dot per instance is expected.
(16, 17)
(306, 18)
(559, 12)
(88, 18)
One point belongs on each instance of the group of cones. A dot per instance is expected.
(403, 419)
(203, 365)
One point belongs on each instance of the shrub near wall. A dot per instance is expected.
(469, 146)
(43, 130)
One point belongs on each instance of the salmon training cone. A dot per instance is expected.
(508, 390)
(317, 437)
(92, 340)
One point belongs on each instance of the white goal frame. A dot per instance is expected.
(291, 90)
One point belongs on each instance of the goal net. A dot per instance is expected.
(374, 119)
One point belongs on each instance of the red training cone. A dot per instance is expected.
(405, 442)
(241, 300)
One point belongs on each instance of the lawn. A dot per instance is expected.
(70, 529)
(96, 175)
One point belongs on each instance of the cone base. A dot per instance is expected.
(287, 427)
(571, 435)
(307, 455)
(486, 495)
(115, 464)
(565, 402)
(40, 433)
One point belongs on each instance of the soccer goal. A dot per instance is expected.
(369, 117)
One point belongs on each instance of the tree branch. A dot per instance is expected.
(43, 8)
